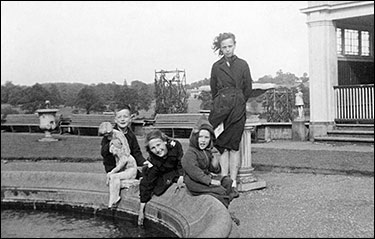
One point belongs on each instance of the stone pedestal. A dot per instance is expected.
(246, 180)
(47, 137)
(299, 131)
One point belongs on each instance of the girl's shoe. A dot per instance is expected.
(234, 193)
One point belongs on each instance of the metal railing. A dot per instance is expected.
(354, 102)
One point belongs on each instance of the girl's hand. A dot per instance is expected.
(180, 183)
(215, 160)
(108, 178)
(215, 182)
(148, 163)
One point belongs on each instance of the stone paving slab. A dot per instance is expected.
(329, 194)
(307, 206)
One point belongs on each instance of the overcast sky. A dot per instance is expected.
(104, 42)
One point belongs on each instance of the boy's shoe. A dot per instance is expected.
(115, 204)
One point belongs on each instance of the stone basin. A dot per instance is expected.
(182, 213)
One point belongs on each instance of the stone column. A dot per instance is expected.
(323, 75)
(246, 180)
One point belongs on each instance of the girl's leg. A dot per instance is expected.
(141, 215)
(115, 184)
(224, 163)
(127, 174)
(114, 189)
(234, 165)
(127, 177)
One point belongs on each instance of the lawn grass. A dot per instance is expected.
(27, 146)
(68, 148)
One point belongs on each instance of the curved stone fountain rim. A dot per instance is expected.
(183, 214)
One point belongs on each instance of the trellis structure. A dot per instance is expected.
(170, 92)
(278, 105)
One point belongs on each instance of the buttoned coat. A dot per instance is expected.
(230, 88)
(197, 165)
(164, 172)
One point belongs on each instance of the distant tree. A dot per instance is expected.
(205, 81)
(33, 98)
(285, 78)
(281, 78)
(11, 93)
(144, 95)
(54, 95)
(68, 92)
(304, 78)
(126, 96)
(266, 79)
(88, 99)
(5, 91)
(107, 91)
(6, 110)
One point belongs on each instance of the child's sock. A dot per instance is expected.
(234, 184)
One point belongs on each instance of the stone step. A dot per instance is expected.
(351, 133)
(362, 127)
(348, 140)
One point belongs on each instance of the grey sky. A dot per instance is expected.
(93, 42)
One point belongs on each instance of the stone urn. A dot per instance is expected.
(47, 119)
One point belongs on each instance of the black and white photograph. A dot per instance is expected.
(187, 119)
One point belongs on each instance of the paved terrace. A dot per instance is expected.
(313, 190)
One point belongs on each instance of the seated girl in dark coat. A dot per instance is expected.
(165, 169)
(198, 164)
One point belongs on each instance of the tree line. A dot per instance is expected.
(108, 97)
(92, 98)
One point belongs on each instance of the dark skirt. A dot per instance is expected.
(229, 107)
(223, 192)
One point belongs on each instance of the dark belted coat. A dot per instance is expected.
(230, 88)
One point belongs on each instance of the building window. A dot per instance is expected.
(365, 39)
(353, 42)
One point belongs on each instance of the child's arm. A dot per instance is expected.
(214, 166)
(104, 151)
(121, 162)
(105, 129)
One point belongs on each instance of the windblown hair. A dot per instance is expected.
(221, 37)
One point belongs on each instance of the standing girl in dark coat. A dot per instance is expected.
(198, 164)
(230, 88)
(164, 170)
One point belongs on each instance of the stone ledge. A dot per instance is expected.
(185, 215)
